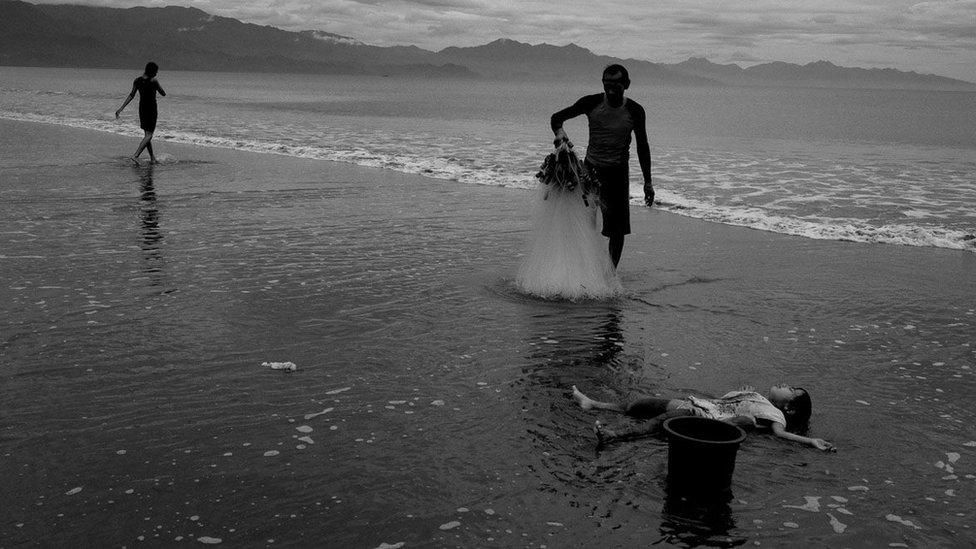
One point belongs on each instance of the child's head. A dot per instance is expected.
(152, 69)
(795, 404)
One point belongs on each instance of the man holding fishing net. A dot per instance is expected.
(612, 118)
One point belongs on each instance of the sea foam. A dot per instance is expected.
(750, 196)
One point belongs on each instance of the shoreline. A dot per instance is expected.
(957, 242)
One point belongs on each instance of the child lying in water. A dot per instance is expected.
(784, 411)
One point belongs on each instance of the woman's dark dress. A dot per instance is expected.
(147, 102)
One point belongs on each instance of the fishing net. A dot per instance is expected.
(563, 170)
(568, 257)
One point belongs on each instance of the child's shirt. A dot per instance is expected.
(736, 404)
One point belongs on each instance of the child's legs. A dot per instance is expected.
(143, 144)
(588, 403)
(648, 407)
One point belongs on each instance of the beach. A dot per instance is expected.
(430, 405)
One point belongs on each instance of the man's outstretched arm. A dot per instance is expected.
(557, 120)
(581, 107)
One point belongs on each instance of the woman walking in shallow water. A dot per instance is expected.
(147, 86)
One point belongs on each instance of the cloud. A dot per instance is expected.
(740, 57)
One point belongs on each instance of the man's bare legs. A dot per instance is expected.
(616, 248)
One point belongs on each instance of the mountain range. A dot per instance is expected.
(190, 39)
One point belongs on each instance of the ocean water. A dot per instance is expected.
(857, 165)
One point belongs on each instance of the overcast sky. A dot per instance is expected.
(930, 37)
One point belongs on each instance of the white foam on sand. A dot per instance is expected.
(316, 414)
(837, 525)
(812, 504)
(287, 366)
(847, 229)
(899, 520)
(918, 227)
(448, 168)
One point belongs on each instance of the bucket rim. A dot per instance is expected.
(671, 432)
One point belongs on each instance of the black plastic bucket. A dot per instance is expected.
(701, 453)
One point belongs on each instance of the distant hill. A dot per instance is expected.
(190, 39)
(510, 59)
(817, 74)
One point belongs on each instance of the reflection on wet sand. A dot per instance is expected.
(698, 520)
(584, 337)
(149, 225)
(610, 338)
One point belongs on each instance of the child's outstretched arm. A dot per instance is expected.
(818, 443)
(127, 99)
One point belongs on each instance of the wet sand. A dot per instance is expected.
(430, 402)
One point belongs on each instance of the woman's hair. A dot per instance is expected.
(151, 69)
(802, 408)
(615, 69)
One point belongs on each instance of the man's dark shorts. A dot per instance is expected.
(614, 198)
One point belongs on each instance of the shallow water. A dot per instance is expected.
(430, 405)
(891, 166)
